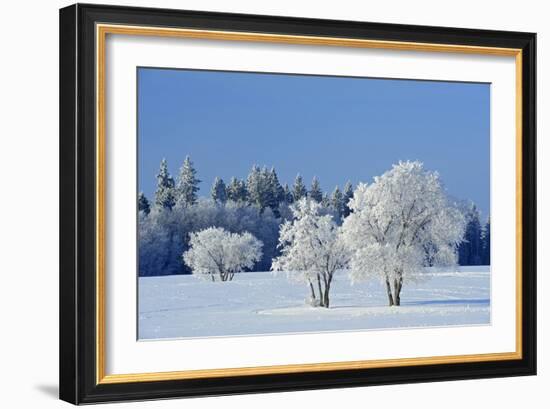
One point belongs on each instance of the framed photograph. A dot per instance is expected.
(257, 203)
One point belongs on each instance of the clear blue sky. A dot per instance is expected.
(335, 128)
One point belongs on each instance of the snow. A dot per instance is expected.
(257, 303)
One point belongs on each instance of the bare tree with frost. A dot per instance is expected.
(312, 250)
(399, 225)
(218, 254)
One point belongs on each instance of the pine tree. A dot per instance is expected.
(218, 191)
(165, 195)
(236, 191)
(486, 243)
(315, 192)
(257, 186)
(143, 204)
(188, 184)
(277, 193)
(325, 202)
(272, 191)
(299, 190)
(337, 201)
(348, 194)
(470, 249)
(287, 194)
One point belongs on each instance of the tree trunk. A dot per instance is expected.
(321, 296)
(397, 285)
(388, 289)
(396, 292)
(326, 301)
(313, 297)
(328, 281)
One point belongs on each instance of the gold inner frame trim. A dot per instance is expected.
(101, 33)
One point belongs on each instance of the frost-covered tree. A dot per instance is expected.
(399, 225)
(470, 250)
(486, 243)
(315, 192)
(159, 244)
(164, 235)
(299, 190)
(218, 254)
(165, 195)
(337, 201)
(218, 192)
(236, 191)
(348, 194)
(312, 250)
(188, 184)
(325, 202)
(143, 204)
(257, 187)
(276, 192)
(289, 199)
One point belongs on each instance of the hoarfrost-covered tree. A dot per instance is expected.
(160, 246)
(348, 194)
(299, 190)
(325, 202)
(218, 192)
(337, 201)
(218, 254)
(236, 191)
(289, 199)
(399, 225)
(143, 204)
(470, 250)
(312, 250)
(277, 194)
(257, 188)
(165, 195)
(315, 192)
(486, 243)
(188, 184)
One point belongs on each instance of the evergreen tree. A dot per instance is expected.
(236, 191)
(348, 194)
(257, 186)
(218, 191)
(486, 243)
(287, 194)
(276, 189)
(165, 195)
(276, 192)
(143, 204)
(315, 192)
(325, 202)
(299, 190)
(469, 251)
(188, 184)
(337, 201)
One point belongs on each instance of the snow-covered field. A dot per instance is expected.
(267, 303)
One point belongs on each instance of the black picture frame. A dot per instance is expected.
(78, 309)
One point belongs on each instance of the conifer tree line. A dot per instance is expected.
(261, 188)
(475, 248)
(259, 205)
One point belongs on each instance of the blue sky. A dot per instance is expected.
(335, 128)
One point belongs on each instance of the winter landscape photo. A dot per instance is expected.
(283, 203)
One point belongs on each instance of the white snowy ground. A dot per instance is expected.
(264, 303)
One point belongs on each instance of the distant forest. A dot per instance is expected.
(260, 204)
